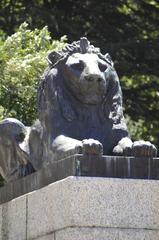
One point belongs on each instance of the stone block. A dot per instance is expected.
(49, 207)
(106, 233)
(93, 202)
(121, 169)
(154, 172)
(139, 167)
(91, 165)
(14, 219)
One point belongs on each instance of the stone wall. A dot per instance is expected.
(84, 208)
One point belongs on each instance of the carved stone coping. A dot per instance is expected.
(79, 165)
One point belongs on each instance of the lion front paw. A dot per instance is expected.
(92, 147)
(124, 147)
(143, 149)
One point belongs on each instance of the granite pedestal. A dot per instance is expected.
(84, 208)
(89, 205)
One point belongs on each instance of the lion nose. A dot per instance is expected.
(93, 78)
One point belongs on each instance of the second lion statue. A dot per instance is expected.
(80, 111)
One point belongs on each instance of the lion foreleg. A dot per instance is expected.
(64, 146)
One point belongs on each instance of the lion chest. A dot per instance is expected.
(86, 126)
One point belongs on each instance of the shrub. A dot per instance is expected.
(23, 60)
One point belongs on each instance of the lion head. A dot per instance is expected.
(81, 73)
(84, 76)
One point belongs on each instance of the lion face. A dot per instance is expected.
(84, 76)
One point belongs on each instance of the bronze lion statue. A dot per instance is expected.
(80, 106)
(79, 109)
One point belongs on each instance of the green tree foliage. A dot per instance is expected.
(23, 60)
(127, 29)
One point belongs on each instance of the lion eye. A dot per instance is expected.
(102, 67)
(78, 66)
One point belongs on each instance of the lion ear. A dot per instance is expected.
(108, 59)
(53, 58)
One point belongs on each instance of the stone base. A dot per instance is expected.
(81, 165)
(84, 208)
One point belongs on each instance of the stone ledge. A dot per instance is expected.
(104, 234)
(97, 206)
(101, 234)
(79, 165)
